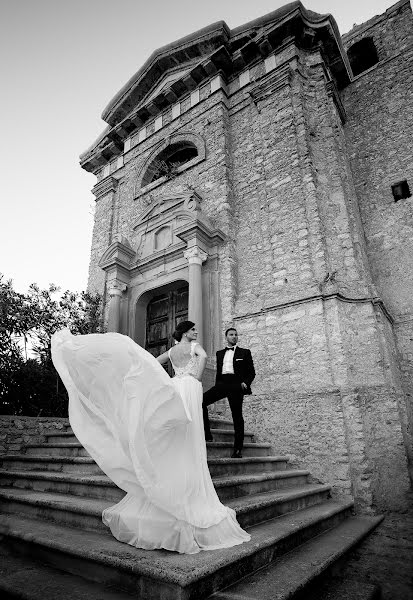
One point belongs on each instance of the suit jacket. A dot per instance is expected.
(243, 366)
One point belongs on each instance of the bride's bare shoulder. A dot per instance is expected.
(198, 349)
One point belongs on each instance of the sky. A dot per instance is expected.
(61, 62)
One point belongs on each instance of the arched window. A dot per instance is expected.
(362, 55)
(168, 161)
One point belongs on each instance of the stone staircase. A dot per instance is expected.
(55, 546)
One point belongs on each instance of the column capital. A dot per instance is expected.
(117, 288)
(195, 255)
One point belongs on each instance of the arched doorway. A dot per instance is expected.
(164, 311)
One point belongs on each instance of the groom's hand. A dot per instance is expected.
(244, 385)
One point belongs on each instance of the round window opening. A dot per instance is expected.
(167, 163)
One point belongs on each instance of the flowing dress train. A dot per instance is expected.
(145, 431)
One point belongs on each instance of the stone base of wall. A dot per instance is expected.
(351, 439)
(17, 431)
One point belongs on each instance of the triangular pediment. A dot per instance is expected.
(167, 80)
(183, 54)
(177, 69)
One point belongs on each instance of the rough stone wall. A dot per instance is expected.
(304, 295)
(15, 432)
(379, 130)
(101, 239)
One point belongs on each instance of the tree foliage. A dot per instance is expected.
(29, 384)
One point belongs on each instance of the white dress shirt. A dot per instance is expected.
(228, 364)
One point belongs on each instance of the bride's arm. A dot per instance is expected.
(199, 351)
(163, 358)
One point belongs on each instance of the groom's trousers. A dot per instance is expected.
(229, 386)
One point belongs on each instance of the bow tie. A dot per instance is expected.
(228, 348)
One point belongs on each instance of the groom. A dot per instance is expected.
(235, 373)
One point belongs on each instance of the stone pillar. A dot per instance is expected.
(195, 257)
(115, 293)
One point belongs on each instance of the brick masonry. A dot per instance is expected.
(316, 269)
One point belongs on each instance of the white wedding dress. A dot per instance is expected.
(145, 431)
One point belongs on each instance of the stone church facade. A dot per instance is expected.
(261, 177)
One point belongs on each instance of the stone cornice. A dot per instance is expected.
(376, 302)
(212, 50)
(104, 187)
(202, 232)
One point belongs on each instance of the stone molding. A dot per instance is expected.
(273, 82)
(375, 301)
(333, 93)
(105, 186)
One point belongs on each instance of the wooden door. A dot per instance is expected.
(163, 314)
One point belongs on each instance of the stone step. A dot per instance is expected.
(100, 486)
(160, 575)
(304, 566)
(219, 435)
(63, 464)
(81, 464)
(86, 513)
(335, 588)
(22, 578)
(92, 486)
(219, 467)
(220, 449)
(237, 486)
(214, 424)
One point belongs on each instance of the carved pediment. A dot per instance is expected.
(164, 207)
(168, 222)
(119, 254)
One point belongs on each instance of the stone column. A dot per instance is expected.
(115, 293)
(195, 257)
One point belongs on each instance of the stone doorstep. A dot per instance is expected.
(100, 557)
(279, 581)
(27, 580)
(62, 507)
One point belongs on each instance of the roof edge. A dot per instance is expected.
(156, 54)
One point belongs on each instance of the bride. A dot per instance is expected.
(145, 431)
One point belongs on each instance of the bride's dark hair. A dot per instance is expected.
(182, 328)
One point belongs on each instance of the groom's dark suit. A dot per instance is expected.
(229, 386)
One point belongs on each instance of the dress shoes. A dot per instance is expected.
(236, 454)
